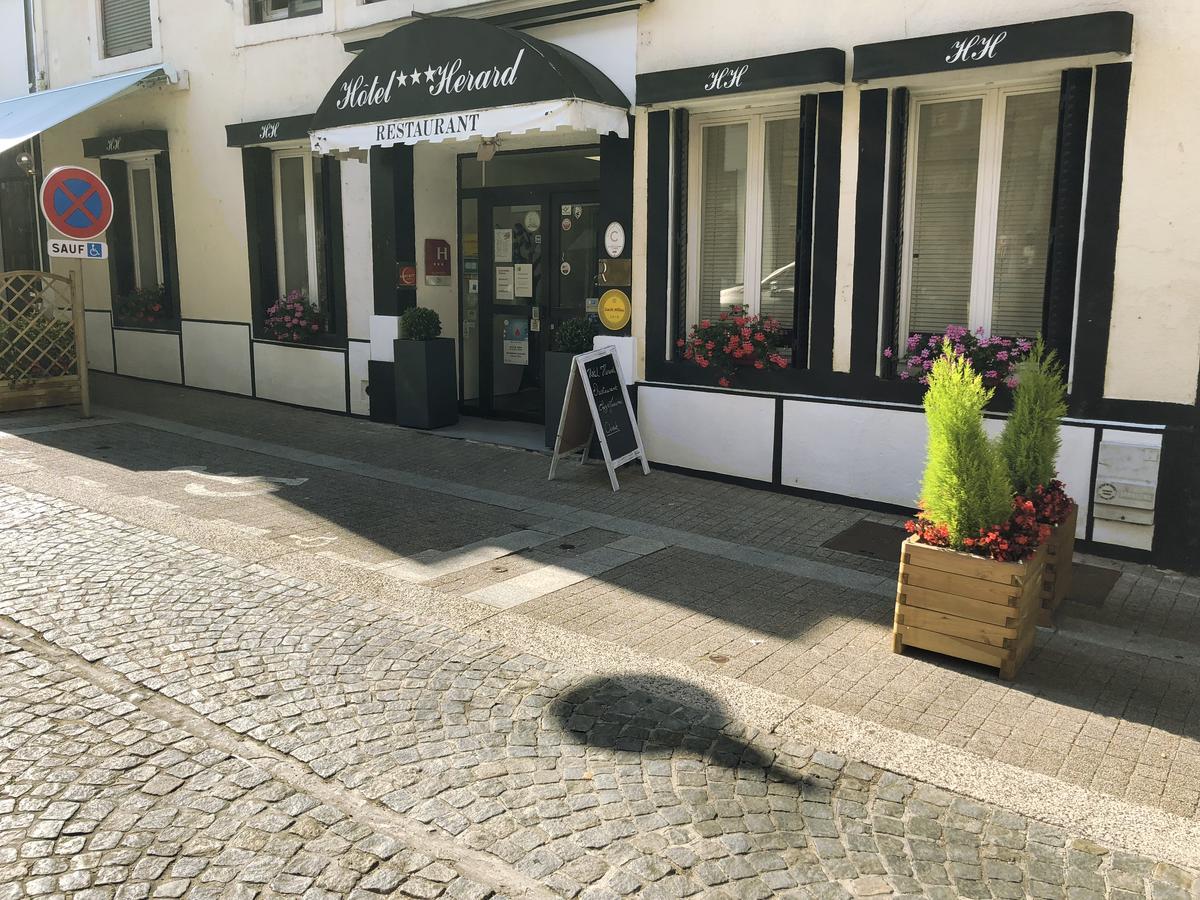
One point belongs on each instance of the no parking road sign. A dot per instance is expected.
(76, 202)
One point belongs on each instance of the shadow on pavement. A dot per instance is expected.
(659, 716)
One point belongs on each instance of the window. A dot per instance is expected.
(979, 202)
(125, 26)
(144, 226)
(272, 10)
(744, 182)
(299, 223)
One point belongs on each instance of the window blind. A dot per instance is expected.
(944, 197)
(142, 209)
(1023, 218)
(294, 225)
(723, 218)
(125, 26)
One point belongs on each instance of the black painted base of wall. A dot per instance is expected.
(381, 390)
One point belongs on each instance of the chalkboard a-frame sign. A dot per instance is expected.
(597, 403)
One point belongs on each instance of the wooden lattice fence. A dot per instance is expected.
(42, 351)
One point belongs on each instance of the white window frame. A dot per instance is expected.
(144, 164)
(756, 120)
(987, 194)
(110, 65)
(310, 222)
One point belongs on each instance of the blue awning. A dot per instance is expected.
(27, 116)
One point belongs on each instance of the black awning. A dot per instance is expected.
(267, 131)
(148, 141)
(999, 45)
(824, 66)
(414, 77)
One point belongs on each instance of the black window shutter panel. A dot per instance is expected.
(894, 245)
(868, 231)
(1059, 310)
(166, 227)
(120, 232)
(1105, 177)
(658, 238)
(804, 230)
(383, 230)
(682, 136)
(826, 200)
(406, 220)
(334, 290)
(260, 232)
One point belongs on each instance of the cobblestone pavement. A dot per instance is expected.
(179, 722)
(1114, 710)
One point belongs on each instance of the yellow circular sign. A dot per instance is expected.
(614, 310)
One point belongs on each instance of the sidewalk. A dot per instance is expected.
(719, 578)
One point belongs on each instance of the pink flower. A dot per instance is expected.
(887, 353)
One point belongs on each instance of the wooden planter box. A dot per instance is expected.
(1056, 580)
(966, 606)
(60, 390)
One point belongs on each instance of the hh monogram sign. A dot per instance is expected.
(727, 78)
(975, 48)
(269, 131)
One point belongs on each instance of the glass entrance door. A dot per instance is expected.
(574, 251)
(513, 305)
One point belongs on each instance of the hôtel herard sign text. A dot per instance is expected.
(446, 80)
(452, 77)
(442, 66)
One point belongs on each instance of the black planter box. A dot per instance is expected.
(426, 383)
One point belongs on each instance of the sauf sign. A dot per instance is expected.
(449, 78)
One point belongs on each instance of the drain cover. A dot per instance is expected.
(499, 568)
(719, 659)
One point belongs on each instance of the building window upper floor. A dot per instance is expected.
(273, 10)
(125, 27)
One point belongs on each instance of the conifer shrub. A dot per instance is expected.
(1031, 438)
(966, 488)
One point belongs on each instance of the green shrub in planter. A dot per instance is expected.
(574, 336)
(420, 324)
(1031, 439)
(966, 484)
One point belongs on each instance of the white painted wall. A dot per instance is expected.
(304, 377)
(879, 454)
(435, 202)
(360, 355)
(14, 76)
(356, 239)
(217, 356)
(148, 354)
(98, 334)
(708, 431)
